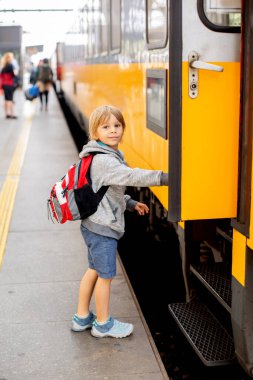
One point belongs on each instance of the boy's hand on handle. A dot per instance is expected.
(141, 208)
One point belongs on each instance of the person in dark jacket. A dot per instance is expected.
(8, 84)
(45, 77)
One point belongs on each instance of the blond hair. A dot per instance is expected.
(7, 58)
(100, 116)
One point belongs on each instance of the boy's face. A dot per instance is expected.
(110, 132)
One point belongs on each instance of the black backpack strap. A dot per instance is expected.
(101, 192)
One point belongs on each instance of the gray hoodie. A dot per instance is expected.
(110, 169)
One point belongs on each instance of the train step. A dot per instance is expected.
(226, 235)
(207, 336)
(217, 278)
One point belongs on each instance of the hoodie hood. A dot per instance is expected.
(94, 146)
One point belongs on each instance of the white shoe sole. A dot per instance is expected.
(77, 328)
(97, 334)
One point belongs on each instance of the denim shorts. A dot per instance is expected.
(101, 253)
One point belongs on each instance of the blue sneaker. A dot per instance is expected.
(111, 328)
(81, 324)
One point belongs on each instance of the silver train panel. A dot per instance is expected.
(211, 46)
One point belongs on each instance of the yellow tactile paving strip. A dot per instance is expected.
(10, 185)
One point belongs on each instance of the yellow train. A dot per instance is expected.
(180, 71)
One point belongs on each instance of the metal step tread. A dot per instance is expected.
(209, 339)
(218, 278)
(224, 234)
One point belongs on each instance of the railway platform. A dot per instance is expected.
(42, 264)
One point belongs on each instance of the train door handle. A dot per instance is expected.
(194, 65)
(205, 66)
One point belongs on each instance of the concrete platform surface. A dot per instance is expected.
(42, 267)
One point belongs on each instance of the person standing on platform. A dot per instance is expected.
(102, 230)
(33, 74)
(45, 77)
(8, 84)
(16, 68)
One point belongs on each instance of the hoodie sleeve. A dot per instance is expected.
(130, 203)
(110, 171)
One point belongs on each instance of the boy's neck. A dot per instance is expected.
(103, 144)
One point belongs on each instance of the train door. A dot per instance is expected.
(204, 109)
(206, 147)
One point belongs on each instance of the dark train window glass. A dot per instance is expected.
(157, 23)
(104, 25)
(115, 10)
(224, 13)
(156, 90)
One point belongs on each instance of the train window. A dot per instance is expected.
(221, 15)
(104, 23)
(91, 30)
(156, 23)
(156, 90)
(115, 32)
(81, 38)
(97, 26)
(85, 32)
(73, 42)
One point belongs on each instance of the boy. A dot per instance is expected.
(102, 230)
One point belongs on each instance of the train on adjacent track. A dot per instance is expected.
(180, 71)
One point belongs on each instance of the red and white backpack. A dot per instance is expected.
(73, 198)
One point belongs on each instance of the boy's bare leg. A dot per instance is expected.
(85, 291)
(102, 298)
